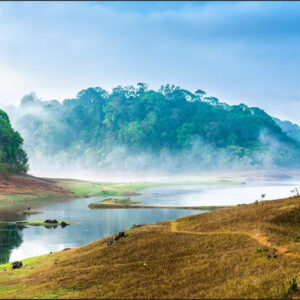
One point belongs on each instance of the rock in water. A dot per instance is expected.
(49, 221)
(63, 224)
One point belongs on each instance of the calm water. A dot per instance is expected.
(17, 244)
(216, 195)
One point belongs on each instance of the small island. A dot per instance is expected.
(114, 203)
(128, 203)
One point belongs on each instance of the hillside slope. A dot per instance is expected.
(291, 129)
(19, 191)
(249, 251)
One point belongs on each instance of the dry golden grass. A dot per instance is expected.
(238, 252)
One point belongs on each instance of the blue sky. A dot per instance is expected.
(237, 51)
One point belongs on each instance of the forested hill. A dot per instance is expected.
(135, 127)
(291, 129)
(12, 157)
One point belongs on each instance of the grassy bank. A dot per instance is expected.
(90, 189)
(21, 192)
(129, 204)
(248, 251)
(31, 199)
(18, 192)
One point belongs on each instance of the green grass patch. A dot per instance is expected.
(31, 212)
(120, 201)
(90, 189)
(21, 200)
(78, 189)
(25, 262)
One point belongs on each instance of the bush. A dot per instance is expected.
(262, 249)
(292, 287)
(5, 169)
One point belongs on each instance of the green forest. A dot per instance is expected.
(170, 126)
(13, 158)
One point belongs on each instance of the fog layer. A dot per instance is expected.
(135, 133)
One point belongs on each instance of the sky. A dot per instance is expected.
(240, 52)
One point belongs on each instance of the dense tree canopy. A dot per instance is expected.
(171, 120)
(12, 157)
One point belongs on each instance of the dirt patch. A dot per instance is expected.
(26, 184)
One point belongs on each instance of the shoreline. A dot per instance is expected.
(35, 223)
(242, 242)
(125, 206)
(37, 192)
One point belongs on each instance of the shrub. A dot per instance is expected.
(5, 169)
(262, 249)
(291, 288)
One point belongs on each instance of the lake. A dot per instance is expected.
(17, 244)
(216, 195)
(93, 224)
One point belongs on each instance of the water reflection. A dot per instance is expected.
(10, 238)
(207, 195)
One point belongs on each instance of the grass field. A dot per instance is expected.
(88, 189)
(33, 199)
(248, 251)
(18, 192)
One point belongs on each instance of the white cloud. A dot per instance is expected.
(236, 51)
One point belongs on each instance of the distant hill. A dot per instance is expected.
(291, 129)
(137, 128)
